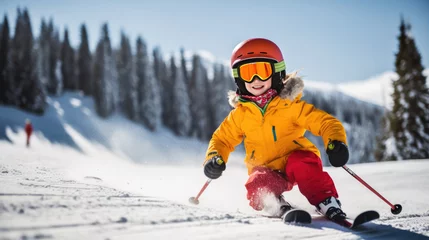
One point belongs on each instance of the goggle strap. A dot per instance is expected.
(235, 72)
(278, 67)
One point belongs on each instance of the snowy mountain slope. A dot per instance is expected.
(72, 112)
(60, 193)
(377, 89)
(71, 120)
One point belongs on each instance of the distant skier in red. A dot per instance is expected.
(28, 130)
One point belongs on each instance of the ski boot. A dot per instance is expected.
(331, 208)
(284, 206)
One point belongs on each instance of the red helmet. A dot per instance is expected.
(256, 48)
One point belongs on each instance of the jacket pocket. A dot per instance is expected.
(297, 143)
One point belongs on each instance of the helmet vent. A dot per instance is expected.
(263, 52)
(250, 52)
(239, 55)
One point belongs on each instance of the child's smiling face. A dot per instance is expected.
(258, 87)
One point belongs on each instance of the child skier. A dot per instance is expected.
(271, 118)
(28, 130)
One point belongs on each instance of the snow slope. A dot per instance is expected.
(54, 192)
(71, 120)
(86, 190)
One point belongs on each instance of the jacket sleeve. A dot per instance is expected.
(226, 137)
(318, 122)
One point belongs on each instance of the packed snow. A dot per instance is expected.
(83, 185)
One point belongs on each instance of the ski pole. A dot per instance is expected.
(395, 209)
(194, 200)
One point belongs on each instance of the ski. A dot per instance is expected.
(290, 214)
(360, 219)
(296, 216)
(293, 216)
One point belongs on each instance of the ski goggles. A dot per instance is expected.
(263, 70)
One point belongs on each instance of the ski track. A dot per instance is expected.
(76, 210)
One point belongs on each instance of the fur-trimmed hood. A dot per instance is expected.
(293, 86)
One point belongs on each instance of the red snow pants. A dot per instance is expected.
(303, 168)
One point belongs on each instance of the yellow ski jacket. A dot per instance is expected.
(271, 134)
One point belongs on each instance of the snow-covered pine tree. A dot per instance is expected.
(5, 86)
(159, 67)
(43, 53)
(68, 64)
(183, 66)
(339, 114)
(367, 129)
(180, 104)
(55, 81)
(212, 95)
(230, 79)
(208, 131)
(219, 100)
(84, 63)
(113, 72)
(381, 153)
(148, 88)
(409, 121)
(127, 80)
(199, 103)
(36, 91)
(161, 71)
(28, 91)
(104, 75)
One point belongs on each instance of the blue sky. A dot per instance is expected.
(331, 41)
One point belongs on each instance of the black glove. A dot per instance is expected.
(338, 153)
(214, 167)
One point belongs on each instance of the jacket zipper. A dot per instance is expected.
(274, 133)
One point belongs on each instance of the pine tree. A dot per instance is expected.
(158, 61)
(5, 86)
(84, 63)
(127, 80)
(48, 54)
(380, 152)
(183, 66)
(161, 72)
(105, 76)
(219, 100)
(409, 122)
(28, 91)
(339, 114)
(43, 53)
(55, 81)
(199, 104)
(180, 106)
(148, 88)
(68, 64)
